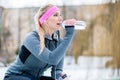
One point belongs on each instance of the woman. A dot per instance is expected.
(42, 48)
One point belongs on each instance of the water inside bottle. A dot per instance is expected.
(80, 25)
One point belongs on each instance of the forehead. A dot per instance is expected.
(58, 11)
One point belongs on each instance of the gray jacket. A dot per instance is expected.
(31, 61)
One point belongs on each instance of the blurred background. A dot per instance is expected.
(94, 53)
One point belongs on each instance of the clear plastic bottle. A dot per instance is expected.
(79, 25)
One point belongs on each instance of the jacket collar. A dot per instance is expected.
(55, 36)
(48, 37)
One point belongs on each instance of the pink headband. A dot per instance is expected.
(47, 14)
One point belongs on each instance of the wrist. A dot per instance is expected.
(69, 30)
(69, 26)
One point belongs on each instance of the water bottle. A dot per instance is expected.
(79, 25)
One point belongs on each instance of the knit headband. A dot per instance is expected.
(47, 14)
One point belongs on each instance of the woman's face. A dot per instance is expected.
(53, 22)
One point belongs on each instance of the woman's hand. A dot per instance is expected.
(64, 76)
(69, 26)
(69, 22)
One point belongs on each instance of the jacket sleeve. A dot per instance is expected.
(32, 43)
(57, 70)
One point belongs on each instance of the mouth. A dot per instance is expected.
(58, 24)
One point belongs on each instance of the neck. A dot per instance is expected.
(48, 30)
(49, 33)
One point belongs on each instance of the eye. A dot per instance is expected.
(55, 14)
(60, 15)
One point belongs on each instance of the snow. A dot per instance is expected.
(88, 68)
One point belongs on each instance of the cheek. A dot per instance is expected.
(52, 19)
(52, 22)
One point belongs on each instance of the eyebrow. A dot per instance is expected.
(57, 13)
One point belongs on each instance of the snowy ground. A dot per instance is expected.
(88, 68)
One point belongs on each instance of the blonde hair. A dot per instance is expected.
(39, 28)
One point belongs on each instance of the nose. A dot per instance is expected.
(60, 18)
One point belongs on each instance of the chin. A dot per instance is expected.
(57, 27)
